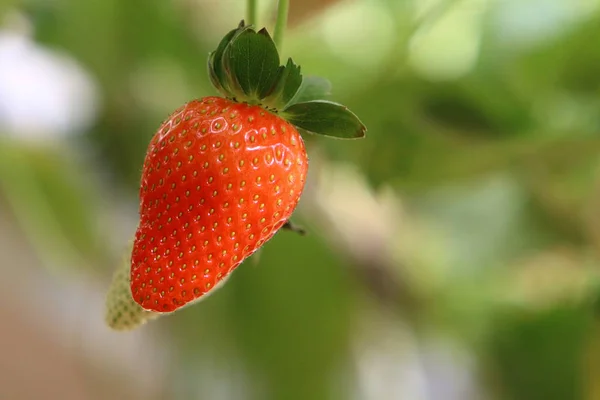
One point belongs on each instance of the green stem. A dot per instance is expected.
(281, 22)
(252, 7)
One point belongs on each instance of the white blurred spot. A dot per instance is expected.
(388, 368)
(43, 94)
(392, 363)
(361, 220)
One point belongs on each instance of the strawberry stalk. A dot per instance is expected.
(251, 11)
(281, 22)
(290, 226)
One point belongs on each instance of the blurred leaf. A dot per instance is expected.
(53, 201)
(558, 193)
(448, 161)
(292, 315)
(312, 88)
(5, 7)
(423, 134)
(569, 61)
(540, 355)
(480, 107)
(592, 363)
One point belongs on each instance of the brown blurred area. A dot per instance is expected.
(40, 356)
(303, 10)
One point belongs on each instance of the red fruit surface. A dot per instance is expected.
(219, 179)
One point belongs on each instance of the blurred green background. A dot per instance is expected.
(452, 255)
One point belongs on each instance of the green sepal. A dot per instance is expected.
(286, 86)
(218, 76)
(325, 118)
(252, 63)
(312, 88)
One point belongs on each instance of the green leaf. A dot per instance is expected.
(312, 88)
(286, 86)
(325, 118)
(252, 62)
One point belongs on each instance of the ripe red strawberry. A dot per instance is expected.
(219, 179)
(223, 174)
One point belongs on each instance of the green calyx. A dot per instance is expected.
(245, 67)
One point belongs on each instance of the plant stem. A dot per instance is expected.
(281, 22)
(251, 11)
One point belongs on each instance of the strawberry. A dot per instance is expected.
(223, 174)
(219, 179)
